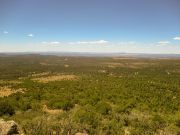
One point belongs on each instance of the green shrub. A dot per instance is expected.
(125, 107)
(103, 108)
(178, 123)
(158, 121)
(6, 109)
(66, 105)
(26, 106)
(87, 118)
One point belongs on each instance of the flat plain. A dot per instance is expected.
(91, 95)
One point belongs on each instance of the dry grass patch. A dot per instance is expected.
(40, 74)
(55, 78)
(66, 66)
(142, 63)
(123, 65)
(135, 65)
(10, 82)
(174, 71)
(7, 91)
(47, 64)
(114, 64)
(135, 114)
(124, 58)
(51, 111)
(34, 74)
(102, 71)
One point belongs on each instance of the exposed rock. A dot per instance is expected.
(9, 128)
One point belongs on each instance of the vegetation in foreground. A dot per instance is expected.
(98, 96)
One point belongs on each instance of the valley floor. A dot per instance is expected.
(95, 96)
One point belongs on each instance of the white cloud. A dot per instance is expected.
(138, 47)
(54, 43)
(90, 42)
(51, 43)
(44, 42)
(127, 43)
(176, 38)
(162, 43)
(30, 35)
(5, 32)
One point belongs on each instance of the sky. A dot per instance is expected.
(131, 26)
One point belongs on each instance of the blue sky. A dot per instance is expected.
(136, 26)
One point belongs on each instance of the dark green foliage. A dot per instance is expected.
(87, 118)
(178, 123)
(103, 108)
(66, 105)
(26, 106)
(159, 122)
(6, 109)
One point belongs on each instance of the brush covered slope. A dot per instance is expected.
(96, 96)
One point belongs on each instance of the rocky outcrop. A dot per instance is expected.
(9, 128)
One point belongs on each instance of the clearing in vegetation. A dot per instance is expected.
(46, 79)
(7, 91)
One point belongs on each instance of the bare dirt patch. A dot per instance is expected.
(174, 71)
(7, 91)
(102, 71)
(114, 64)
(51, 111)
(54, 78)
(135, 65)
(135, 114)
(141, 63)
(40, 74)
(66, 66)
(124, 58)
(47, 64)
(123, 65)
(34, 74)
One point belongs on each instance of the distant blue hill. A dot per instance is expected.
(92, 54)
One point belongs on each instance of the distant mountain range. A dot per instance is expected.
(93, 54)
